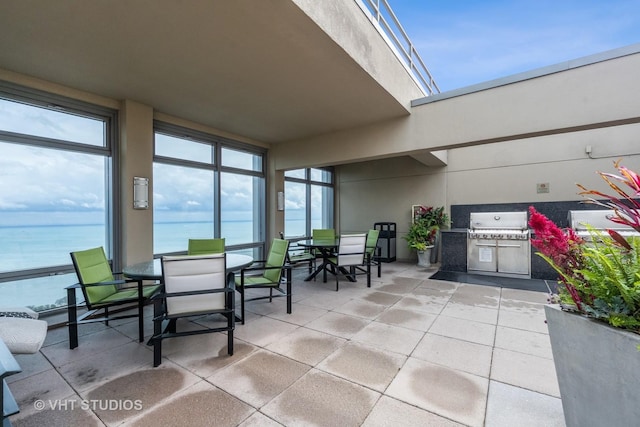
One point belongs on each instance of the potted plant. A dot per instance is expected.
(594, 330)
(423, 232)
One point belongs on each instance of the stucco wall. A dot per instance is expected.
(384, 191)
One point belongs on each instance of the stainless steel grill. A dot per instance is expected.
(600, 220)
(498, 243)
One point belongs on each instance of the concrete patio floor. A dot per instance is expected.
(409, 351)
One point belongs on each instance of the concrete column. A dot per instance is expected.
(136, 156)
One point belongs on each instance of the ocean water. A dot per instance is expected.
(28, 247)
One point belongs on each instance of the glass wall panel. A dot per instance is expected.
(183, 206)
(321, 207)
(240, 208)
(309, 196)
(55, 195)
(185, 149)
(241, 160)
(197, 200)
(295, 223)
(37, 121)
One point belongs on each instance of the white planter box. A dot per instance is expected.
(598, 370)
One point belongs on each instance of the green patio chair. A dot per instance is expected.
(102, 291)
(323, 234)
(267, 274)
(298, 254)
(196, 285)
(205, 246)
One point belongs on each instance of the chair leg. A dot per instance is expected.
(106, 316)
(73, 318)
(289, 291)
(157, 332)
(140, 312)
(230, 340)
(242, 304)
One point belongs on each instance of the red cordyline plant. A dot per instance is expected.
(601, 278)
(626, 206)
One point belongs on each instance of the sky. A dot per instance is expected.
(466, 42)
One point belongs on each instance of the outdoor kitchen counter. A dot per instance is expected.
(454, 249)
(454, 255)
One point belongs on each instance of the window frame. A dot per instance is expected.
(110, 151)
(309, 183)
(218, 143)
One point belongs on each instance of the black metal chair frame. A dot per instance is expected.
(259, 266)
(354, 270)
(308, 257)
(164, 325)
(88, 317)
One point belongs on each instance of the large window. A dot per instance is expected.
(308, 201)
(56, 171)
(205, 186)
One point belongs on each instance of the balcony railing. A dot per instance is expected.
(386, 22)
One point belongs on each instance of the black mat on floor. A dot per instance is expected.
(501, 282)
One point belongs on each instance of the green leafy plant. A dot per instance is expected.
(427, 221)
(599, 278)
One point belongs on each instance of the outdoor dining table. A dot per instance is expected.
(327, 248)
(152, 270)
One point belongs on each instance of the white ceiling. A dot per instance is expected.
(258, 68)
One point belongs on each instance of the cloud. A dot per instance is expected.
(464, 43)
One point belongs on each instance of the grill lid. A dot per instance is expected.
(498, 221)
(598, 219)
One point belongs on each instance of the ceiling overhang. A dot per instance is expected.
(260, 69)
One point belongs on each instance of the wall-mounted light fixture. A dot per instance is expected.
(140, 193)
(280, 200)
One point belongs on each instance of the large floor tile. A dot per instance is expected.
(456, 354)
(89, 372)
(300, 315)
(337, 324)
(43, 392)
(263, 331)
(199, 405)
(89, 345)
(531, 321)
(469, 312)
(320, 399)
(307, 346)
(138, 391)
(259, 378)
(526, 371)
(392, 412)
(396, 339)
(477, 296)
(447, 392)
(534, 343)
(515, 406)
(360, 308)
(467, 330)
(410, 319)
(368, 366)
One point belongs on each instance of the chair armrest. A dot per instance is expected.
(110, 282)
